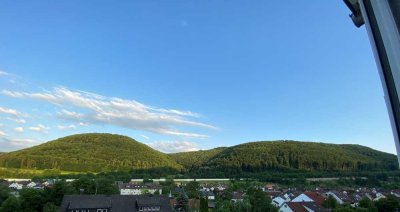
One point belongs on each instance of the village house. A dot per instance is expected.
(301, 207)
(120, 203)
(15, 186)
(238, 196)
(138, 189)
(210, 195)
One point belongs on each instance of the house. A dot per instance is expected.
(138, 189)
(395, 193)
(278, 201)
(316, 197)
(340, 197)
(238, 196)
(301, 207)
(210, 195)
(302, 198)
(375, 196)
(15, 186)
(120, 203)
(31, 184)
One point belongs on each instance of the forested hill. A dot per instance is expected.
(89, 152)
(195, 159)
(97, 152)
(288, 155)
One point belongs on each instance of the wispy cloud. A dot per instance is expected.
(40, 128)
(9, 111)
(66, 127)
(125, 113)
(3, 73)
(145, 137)
(17, 120)
(174, 146)
(11, 144)
(2, 134)
(19, 129)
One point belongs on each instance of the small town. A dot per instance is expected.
(200, 106)
(192, 195)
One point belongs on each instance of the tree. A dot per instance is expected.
(203, 204)
(50, 207)
(330, 203)
(84, 185)
(11, 204)
(4, 193)
(31, 199)
(388, 204)
(366, 203)
(56, 193)
(259, 201)
(181, 202)
(192, 189)
(105, 186)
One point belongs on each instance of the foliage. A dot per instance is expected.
(11, 204)
(4, 193)
(388, 204)
(330, 203)
(181, 203)
(50, 207)
(286, 156)
(192, 189)
(203, 204)
(88, 152)
(195, 159)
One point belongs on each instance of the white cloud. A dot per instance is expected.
(11, 144)
(174, 146)
(83, 124)
(19, 129)
(39, 128)
(9, 111)
(2, 134)
(69, 127)
(145, 137)
(116, 111)
(17, 120)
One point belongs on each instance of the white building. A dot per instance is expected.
(15, 186)
(138, 189)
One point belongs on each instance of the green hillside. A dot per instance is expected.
(195, 159)
(288, 155)
(88, 152)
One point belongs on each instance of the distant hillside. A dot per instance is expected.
(107, 152)
(88, 152)
(288, 155)
(195, 159)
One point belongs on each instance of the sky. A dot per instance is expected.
(185, 75)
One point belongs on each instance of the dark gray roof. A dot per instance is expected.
(117, 203)
(88, 201)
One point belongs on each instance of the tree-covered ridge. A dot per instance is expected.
(89, 152)
(195, 158)
(283, 155)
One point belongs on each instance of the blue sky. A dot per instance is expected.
(186, 75)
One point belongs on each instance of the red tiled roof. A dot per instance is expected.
(296, 207)
(318, 198)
